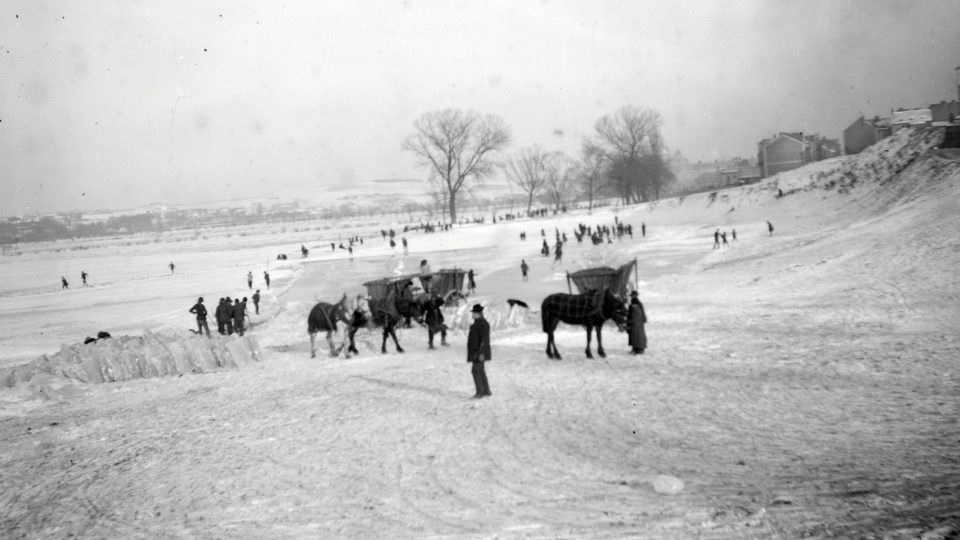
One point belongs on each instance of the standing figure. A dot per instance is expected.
(63, 283)
(256, 301)
(716, 239)
(201, 313)
(478, 351)
(83, 276)
(434, 320)
(237, 314)
(221, 316)
(643, 230)
(723, 236)
(770, 228)
(266, 278)
(524, 268)
(733, 234)
(471, 283)
(171, 266)
(558, 253)
(304, 251)
(636, 318)
(405, 250)
(250, 280)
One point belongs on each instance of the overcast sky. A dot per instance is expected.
(116, 104)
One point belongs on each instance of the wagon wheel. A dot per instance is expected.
(454, 298)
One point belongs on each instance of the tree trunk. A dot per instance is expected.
(453, 206)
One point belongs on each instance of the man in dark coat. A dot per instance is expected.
(636, 318)
(266, 278)
(434, 319)
(524, 268)
(237, 314)
(256, 301)
(201, 313)
(478, 351)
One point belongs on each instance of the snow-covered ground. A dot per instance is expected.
(803, 383)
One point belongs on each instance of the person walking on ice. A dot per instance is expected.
(201, 313)
(266, 278)
(256, 301)
(716, 239)
(250, 280)
(471, 282)
(770, 228)
(63, 283)
(524, 268)
(723, 236)
(636, 318)
(733, 234)
(478, 351)
(171, 266)
(83, 277)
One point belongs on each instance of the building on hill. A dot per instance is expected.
(945, 111)
(790, 150)
(902, 118)
(863, 133)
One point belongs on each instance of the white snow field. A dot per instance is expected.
(799, 384)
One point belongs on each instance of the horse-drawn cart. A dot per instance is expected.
(448, 284)
(595, 279)
(384, 287)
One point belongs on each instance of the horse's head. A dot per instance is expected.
(340, 310)
(614, 308)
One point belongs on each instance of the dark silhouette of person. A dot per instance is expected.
(716, 239)
(643, 230)
(266, 278)
(222, 316)
(237, 313)
(723, 236)
(256, 301)
(172, 266)
(471, 282)
(63, 283)
(83, 276)
(770, 228)
(524, 268)
(201, 313)
(434, 320)
(733, 234)
(478, 351)
(250, 280)
(636, 318)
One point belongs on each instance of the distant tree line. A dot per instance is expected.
(625, 157)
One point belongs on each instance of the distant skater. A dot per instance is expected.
(63, 283)
(558, 253)
(478, 351)
(404, 241)
(733, 234)
(201, 313)
(770, 228)
(636, 318)
(643, 230)
(266, 279)
(723, 236)
(716, 239)
(250, 280)
(171, 266)
(524, 268)
(256, 301)
(471, 282)
(83, 276)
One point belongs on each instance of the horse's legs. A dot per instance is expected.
(395, 340)
(353, 346)
(549, 343)
(313, 350)
(383, 346)
(589, 331)
(600, 343)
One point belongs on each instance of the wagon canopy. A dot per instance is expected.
(382, 288)
(604, 276)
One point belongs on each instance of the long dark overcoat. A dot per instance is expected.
(478, 340)
(635, 321)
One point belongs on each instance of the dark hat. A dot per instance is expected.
(477, 308)
(200, 299)
(633, 294)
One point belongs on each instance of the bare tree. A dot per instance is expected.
(559, 178)
(456, 146)
(590, 172)
(528, 171)
(627, 138)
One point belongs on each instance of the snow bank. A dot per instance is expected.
(133, 357)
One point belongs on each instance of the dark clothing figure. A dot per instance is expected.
(256, 301)
(250, 280)
(223, 316)
(723, 236)
(733, 234)
(636, 318)
(478, 351)
(716, 239)
(201, 313)
(558, 253)
(524, 268)
(434, 320)
(266, 278)
(237, 313)
(471, 283)
(63, 283)
(83, 276)
(404, 240)
(770, 228)
(172, 266)
(643, 230)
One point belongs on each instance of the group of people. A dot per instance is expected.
(720, 237)
(231, 316)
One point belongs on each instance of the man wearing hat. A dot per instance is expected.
(636, 318)
(201, 313)
(478, 350)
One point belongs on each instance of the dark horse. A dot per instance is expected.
(590, 309)
(385, 313)
(324, 316)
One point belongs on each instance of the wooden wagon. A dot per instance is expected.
(591, 279)
(384, 287)
(448, 284)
